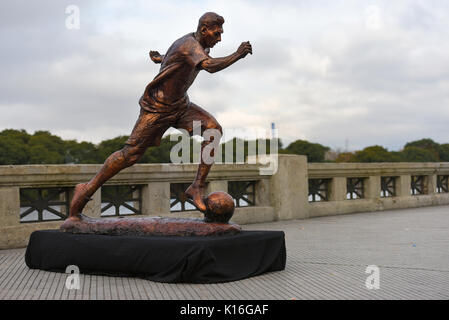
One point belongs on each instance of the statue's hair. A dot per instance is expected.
(210, 19)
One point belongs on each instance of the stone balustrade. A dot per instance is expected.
(297, 190)
(411, 184)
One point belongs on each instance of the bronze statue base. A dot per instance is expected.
(149, 226)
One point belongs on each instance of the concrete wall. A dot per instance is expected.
(282, 195)
(289, 188)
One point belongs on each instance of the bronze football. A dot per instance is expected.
(219, 207)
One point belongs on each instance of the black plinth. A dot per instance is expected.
(174, 259)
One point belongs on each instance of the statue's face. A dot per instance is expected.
(211, 35)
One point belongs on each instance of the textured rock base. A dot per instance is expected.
(149, 226)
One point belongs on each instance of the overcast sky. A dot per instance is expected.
(355, 73)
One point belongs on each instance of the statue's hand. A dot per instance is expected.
(244, 49)
(155, 56)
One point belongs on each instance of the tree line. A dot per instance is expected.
(19, 147)
(424, 150)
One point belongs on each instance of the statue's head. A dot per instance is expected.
(210, 28)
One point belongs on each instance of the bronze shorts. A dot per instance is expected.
(151, 126)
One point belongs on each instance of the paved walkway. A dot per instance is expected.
(326, 259)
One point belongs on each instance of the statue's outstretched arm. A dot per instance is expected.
(156, 57)
(216, 64)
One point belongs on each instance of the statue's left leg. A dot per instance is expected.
(195, 113)
(147, 131)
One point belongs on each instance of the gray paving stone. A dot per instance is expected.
(326, 259)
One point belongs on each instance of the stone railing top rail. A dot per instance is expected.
(69, 175)
(329, 170)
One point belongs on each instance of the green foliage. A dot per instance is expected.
(416, 154)
(81, 152)
(14, 147)
(160, 154)
(397, 155)
(345, 157)
(315, 152)
(426, 144)
(107, 147)
(375, 154)
(45, 148)
(444, 152)
(424, 150)
(250, 148)
(18, 147)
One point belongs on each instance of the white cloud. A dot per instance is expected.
(325, 71)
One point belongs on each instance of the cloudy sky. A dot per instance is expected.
(341, 73)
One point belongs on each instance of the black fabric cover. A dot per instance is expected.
(157, 258)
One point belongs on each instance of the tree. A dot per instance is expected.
(81, 152)
(315, 152)
(247, 151)
(159, 154)
(444, 152)
(14, 147)
(416, 154)
(345, 157)
(375, 154)
(18, 147)
(426, 144)
(39, 154)
(107, 147)
(45, 148)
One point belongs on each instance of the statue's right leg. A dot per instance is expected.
(195, 113)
